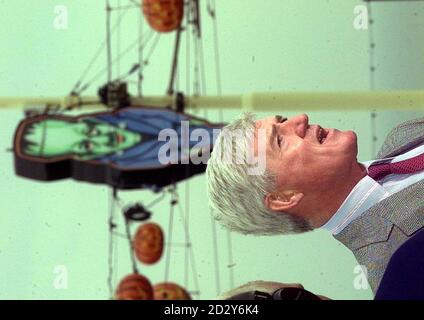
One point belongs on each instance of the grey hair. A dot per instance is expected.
(236, 198)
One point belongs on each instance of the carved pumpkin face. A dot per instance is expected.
(148, 243)
(170, 291)
(134, 287)
(163, 15)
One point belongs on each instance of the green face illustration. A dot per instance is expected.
(86, 139)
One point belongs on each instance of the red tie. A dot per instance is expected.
(379, 171)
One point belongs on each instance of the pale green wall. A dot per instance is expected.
(265, 45)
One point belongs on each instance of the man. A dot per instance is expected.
(314, 180)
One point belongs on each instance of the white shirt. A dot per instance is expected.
(369, 192)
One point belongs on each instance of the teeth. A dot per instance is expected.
(324, 137)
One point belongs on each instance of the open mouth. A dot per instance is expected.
(321, 135)
(119, 138)
(115, 139)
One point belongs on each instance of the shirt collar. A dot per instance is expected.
(363, 196)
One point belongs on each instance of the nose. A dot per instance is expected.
(299, 124)
(301, 118)
(101, 139)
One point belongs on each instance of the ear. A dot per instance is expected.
(283, 201)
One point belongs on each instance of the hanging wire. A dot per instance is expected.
(136, 4)
(170, 228)
(214, 241)
(215, 255)
(126, 7)
(118, 42)
(120, 235)
(187, 33)
(157, 200)
(184, 216)
(112, 226)
(212, 13)
(202, 66)
(108, 42)
(187, 232)
(177, 78)
(97, 54)
(199, 73)
(124, 53)
(152, 49)
(117, 203)
(140, 56)
(230, 258)
(196, 77)
(113, 195)
(131, 246)
(187, 171)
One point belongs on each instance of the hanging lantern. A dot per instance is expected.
(163, 15)
(170, 291)
(148, 243)
(134, 287)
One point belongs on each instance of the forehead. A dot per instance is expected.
(264, 123)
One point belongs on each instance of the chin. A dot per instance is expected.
(351, 142)
(350, 134)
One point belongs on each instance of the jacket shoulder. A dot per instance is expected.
(402, 137)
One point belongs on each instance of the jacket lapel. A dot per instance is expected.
(404, 208)
(367, 229)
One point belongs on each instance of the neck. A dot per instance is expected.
(329, 203)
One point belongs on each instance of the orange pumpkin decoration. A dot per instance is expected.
(170, 291)
(134, 287)
(148, 243)
(163, 15)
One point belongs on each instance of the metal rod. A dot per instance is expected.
(267, 101)
(174, 62)
(140, 56)
(108, 43)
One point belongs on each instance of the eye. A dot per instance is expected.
(87, 145)
(92, 131)
(280, 119)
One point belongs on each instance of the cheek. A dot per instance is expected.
(290, 168)
(311, 163)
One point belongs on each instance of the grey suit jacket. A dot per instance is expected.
(375, 235)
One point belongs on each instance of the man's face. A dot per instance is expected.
(305, 157)
(86, 139)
